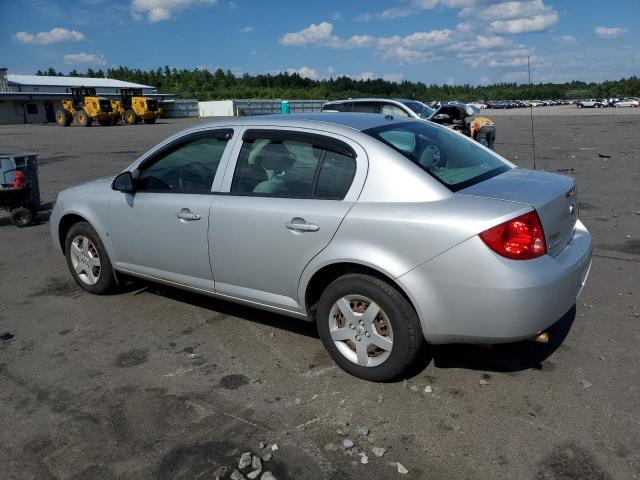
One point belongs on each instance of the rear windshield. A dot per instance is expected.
(444, 154)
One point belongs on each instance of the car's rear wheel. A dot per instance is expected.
(88, 261)
(368, 327)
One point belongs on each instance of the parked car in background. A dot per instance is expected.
(384, 231)
(455, 115)
(592, 103)
(480, 105)
(396, 107)
(627, 102)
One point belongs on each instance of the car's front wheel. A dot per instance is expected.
(88, 261)
(368, 327)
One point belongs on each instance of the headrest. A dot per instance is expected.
(275, 156)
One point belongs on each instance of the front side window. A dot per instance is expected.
(443, 153)
(189, 167)
(419, 108)
(338, 107)
(294, 165)
(394, 110)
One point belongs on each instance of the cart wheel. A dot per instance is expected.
(21, 217)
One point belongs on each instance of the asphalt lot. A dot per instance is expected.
(155, 383)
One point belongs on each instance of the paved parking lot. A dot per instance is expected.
(155, 383)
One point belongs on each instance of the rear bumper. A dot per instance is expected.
(469, 294)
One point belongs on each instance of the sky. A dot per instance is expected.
(433, 41)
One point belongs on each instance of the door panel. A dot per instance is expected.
(162, 229)
(256, 257)
(280, 209)
(149, 237)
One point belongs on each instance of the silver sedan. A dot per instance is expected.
(385, 232)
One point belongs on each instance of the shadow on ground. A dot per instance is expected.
(510, 357)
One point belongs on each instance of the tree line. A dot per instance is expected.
(205, 85)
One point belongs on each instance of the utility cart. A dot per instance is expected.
(19, 187)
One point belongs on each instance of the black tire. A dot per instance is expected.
(115, 121)
(21, 217)
(106, 280)
(407, 332)
(83, 119)
(130, 117)
(149, 121)
(63, 118)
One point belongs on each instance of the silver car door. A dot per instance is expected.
(286, 197)
(161, 230)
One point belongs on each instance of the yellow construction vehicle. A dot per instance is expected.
(133, 106)
(84, 107)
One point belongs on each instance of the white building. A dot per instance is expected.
(35, 98)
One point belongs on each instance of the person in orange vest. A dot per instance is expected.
(483, 130)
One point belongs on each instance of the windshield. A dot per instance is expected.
(419, 108)
(452, 160)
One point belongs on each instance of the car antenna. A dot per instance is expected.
(533, 136)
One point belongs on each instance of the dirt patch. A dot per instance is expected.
(132, 358)
(231, 382)
(569, 461)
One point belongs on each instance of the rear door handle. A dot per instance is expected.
(186, 215)
(301, 225)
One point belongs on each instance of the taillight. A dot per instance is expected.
(521, 238)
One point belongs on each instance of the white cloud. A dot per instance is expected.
(319, 34)
(610, 32)
(537, 23)
(55, 35)
(416, 6)
(84, 58)
(513, 17)
(160, 10)
(566, 40)
(504, 59)
(247, 29)
(393, 77)
(410, 49)
(451, 81)
(479, 42)
(304, 72)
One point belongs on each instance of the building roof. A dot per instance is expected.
(55, 81)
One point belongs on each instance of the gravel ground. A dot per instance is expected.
(155, 383)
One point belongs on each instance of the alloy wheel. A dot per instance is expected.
(361, 330)
(85, 260)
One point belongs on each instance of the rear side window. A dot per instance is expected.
(335, 177)
(365, 107)
(293, 164)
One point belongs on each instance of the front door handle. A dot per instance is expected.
(301, 225)
(186, 215)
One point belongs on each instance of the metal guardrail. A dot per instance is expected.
(246, 107)
(180, 108)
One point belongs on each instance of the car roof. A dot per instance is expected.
(356, 121)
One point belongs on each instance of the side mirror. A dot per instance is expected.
(441, 117)
(124, 183)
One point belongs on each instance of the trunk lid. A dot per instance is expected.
(553, 196)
